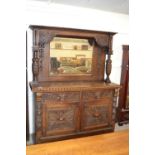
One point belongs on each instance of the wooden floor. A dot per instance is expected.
(115, 143)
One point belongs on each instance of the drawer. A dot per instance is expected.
(61, 97)
(98, 94)
(96, 114)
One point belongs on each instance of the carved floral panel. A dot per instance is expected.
(62, 96)
(96, 115)
(60, 119)
(97, 94)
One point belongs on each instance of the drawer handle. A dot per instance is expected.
(96, 114)
(61, 118)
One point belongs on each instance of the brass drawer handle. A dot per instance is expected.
(61, 118)
(96, 114)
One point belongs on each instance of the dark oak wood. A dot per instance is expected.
(72, 105)
(65, 109)
(41, 48)
(123, 107)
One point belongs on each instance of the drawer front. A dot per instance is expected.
(96, 114)
(98, 94)
(59, 119)
(62, 97)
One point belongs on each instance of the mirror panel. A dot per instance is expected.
(70, 56)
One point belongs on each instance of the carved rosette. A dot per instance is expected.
(114, 105)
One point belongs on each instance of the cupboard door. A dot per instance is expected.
(60, 118)
(96, 114)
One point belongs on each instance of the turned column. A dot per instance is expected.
(35, 59)
(35, 63)
(109, 61)
(108, 69)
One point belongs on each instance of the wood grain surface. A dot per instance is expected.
(116, 143)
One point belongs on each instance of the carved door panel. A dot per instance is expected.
(96, 114)
(60, 118)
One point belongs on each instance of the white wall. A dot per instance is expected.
(43, 13)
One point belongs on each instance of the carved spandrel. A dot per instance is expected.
(102, 41)
(45, 37)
